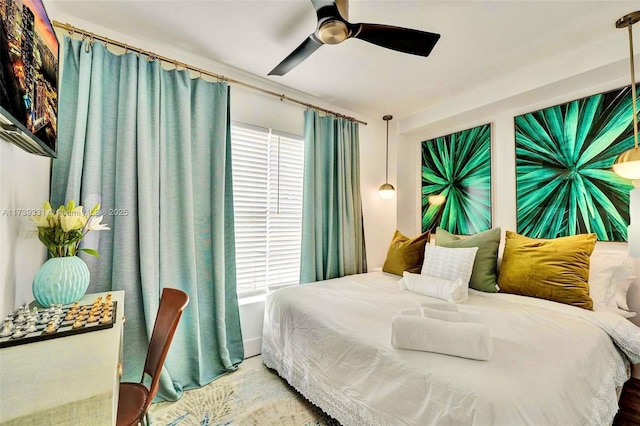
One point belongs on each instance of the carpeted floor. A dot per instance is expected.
(252, 395)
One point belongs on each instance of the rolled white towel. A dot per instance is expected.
(443, 306)
(461, 316)
(463, 339)
(439, 288)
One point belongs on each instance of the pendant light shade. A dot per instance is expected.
(627, 164)
(386, 190)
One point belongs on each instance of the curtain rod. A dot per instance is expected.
(86, 34)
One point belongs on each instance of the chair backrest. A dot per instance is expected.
(172, 304)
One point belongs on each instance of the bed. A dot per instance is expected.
(552, 364)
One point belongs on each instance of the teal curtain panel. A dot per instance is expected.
(456, 181)
(153, 147)
(332, 226)
(564, 181)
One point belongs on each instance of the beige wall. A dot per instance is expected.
(24, 184)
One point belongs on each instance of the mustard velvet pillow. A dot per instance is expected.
(556, 269)
(405, 254)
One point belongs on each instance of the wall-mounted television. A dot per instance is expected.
(28, 77)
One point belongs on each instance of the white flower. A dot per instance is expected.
(94, 224)
(74, 219)
(46, 219)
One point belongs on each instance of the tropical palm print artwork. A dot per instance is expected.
(458, 168)
(564, 181)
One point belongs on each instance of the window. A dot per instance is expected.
(267, 191)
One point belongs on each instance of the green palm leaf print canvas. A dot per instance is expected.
(564, 181)
(458, 168)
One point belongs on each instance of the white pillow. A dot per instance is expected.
(610, 276)
(432, 286)
(450, 264)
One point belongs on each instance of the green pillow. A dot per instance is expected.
(405, 254)
(483, 276)
(556, 269)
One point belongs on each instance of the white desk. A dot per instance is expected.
(70, 380)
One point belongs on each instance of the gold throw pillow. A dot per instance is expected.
(556, 269)
(405, 254)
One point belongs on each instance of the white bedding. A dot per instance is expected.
(552, 364)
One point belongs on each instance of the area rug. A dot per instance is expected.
(252, 395)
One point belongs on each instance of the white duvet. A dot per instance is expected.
(552, 364)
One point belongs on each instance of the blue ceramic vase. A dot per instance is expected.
(61, 280)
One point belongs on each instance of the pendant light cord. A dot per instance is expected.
(386, 173)
(633, 88)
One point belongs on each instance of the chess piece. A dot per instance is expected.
(106, 319)
(51, 328)
(17, 333)
(31, 327)
(6, 328)
(92, 318)
(34, 311)
(77, 324)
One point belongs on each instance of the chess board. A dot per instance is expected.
(30, 324)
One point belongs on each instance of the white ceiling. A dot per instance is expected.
(482, 42)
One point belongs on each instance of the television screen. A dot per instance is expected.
(28, 76)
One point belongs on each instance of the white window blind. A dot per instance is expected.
(267, 191)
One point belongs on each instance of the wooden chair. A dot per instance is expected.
(135, 398)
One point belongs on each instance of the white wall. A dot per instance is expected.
(24, 184)
(500, 114)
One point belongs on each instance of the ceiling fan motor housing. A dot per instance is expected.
(333, 32)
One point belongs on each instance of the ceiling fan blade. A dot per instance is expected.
(325, 9)
(404, 40)
(302, 52)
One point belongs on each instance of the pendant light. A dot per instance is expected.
(627, 164)
(386, 190)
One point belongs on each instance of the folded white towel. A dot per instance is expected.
(443, 306)
(461, 316)
(463, 339)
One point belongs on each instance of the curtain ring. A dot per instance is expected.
(71, 31)
(126, 49)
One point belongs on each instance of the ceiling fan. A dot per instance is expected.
(333, 28)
